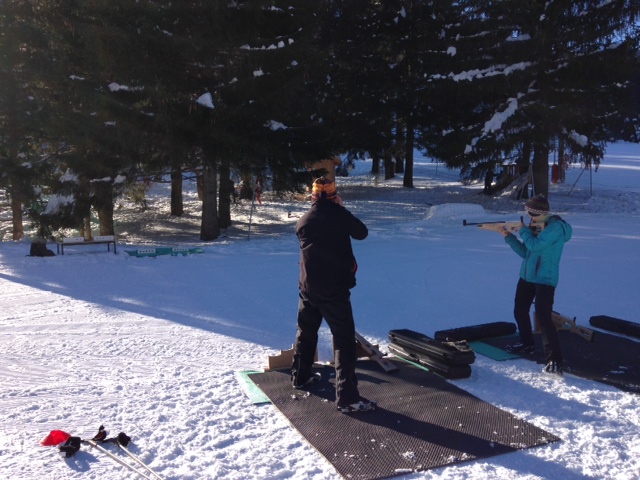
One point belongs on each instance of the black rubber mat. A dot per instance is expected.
(608, 359)
(422, 422)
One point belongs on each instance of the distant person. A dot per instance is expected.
(327, 273)
(258, 190)
(538, 280)
(232, 190)
(488, 180)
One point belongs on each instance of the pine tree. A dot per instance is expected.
(24, 114)
(533, 72)
(99, 134)
(363, 72)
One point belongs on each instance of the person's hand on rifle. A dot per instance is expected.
(512, 228)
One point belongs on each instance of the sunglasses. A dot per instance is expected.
(534, 215)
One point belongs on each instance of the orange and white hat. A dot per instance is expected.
(324, 188)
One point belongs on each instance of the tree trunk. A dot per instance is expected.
(199, 183)
(375, 166)
(562, 159)
(177, 204)
(226, 190)
(86, 228)
(82, 209)
(16, 216)
(400, 146)
(103, 203)
(524, 161)
(389, 166)
(407, 180)
(523, 167)
(541, 169)
(209, 227)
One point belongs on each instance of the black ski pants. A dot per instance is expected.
(336, 310)
(544, 295)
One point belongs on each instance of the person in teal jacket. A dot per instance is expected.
(539, 273)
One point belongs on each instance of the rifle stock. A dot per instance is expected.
(375, 354)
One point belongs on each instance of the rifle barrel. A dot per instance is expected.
(465, 223)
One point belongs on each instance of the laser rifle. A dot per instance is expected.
(509, 226)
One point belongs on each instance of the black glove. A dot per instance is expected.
(123, 439)
(101, 435)
(70, 447)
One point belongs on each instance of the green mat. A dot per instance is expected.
(492, 352)
(155, 251)
(252, 391)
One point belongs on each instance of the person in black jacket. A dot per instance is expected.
(327, 273)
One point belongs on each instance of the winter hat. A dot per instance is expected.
(538, 205)
(324, 188)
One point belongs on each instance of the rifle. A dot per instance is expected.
(509, 226)
(373, 353)
(364, 348)
(562, 322)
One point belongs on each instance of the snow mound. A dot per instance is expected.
(454, 211)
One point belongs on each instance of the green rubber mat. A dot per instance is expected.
(492, 352)
(256, 396)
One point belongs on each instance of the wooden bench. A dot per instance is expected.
(75, 241)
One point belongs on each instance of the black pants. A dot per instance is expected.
(336, 310)
(526, 292)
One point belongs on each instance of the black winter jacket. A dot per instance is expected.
(327, 264)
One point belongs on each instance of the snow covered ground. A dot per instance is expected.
(151, 346)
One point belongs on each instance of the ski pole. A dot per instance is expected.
(95, 445)
(139, 461)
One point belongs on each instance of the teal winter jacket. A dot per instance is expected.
(541, 253)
